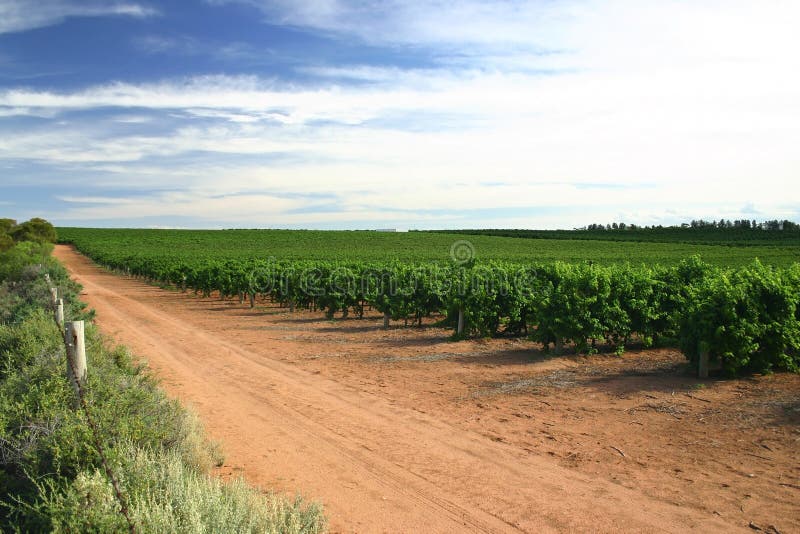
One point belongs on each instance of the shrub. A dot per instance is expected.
(165, 495)
(747, 320)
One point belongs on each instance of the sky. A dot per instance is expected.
(364, 114)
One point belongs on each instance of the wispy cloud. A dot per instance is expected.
(96, 200)
(184, 45)
(600, 35)
(21, 15)
(422, 22)
(11, 111)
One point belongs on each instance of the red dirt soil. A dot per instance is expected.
(402, 430)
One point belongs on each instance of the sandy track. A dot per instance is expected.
(377, 466)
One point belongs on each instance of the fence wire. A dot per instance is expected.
(96, 441)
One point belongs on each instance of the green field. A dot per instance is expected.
(413, 247)
(734, 310)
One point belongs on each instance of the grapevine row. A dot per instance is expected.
(745, 319)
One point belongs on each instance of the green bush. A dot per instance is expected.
(564, 309)
(747, 320)
(165, 495)
(24, 291)
(23, 256)
(21, 343)
(6, 242)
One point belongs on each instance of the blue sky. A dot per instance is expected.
(428, 114)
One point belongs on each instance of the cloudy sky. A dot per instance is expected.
(413, 114)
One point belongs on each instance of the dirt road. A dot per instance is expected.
(378, 464)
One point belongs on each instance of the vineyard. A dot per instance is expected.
(417, 247)
(742, 313)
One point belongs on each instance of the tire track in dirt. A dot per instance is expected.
(376, 466)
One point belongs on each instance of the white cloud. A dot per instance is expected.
(156, 44)
(245, 208)
(9, 111)
(132, 119)
(184, 45)
(96, 200)
(592, 34)
(21, 15)
(420, 22)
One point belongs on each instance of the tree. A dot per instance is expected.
(36, 230)
(6, 225)
(5, 242)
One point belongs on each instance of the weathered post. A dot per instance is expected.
(54, 295)
(460, 327)
(252, 300)
(386, 318)
(60, 314)
(702, 364)
(76, 354)
(559, 346)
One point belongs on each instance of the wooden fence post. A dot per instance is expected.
(460, 327)
(386, 318)
(76, 354)
(60, 314)
(702, 364)
(54, 295)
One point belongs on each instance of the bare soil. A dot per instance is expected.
(403, 430)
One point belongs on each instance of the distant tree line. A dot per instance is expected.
(36, 230)
(744, 232)
(724, 224)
